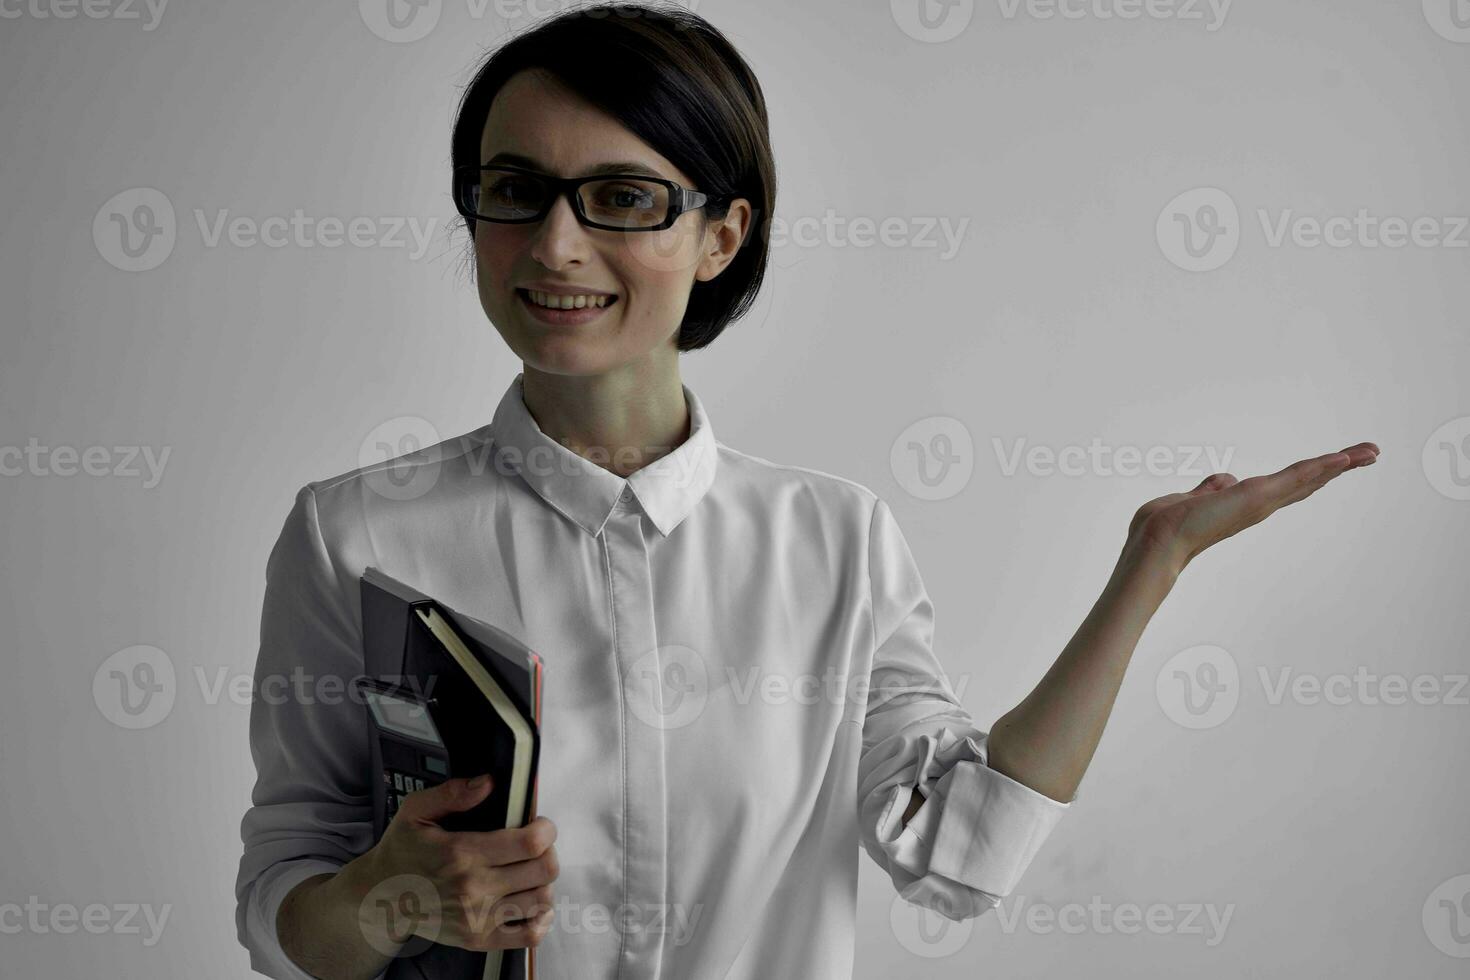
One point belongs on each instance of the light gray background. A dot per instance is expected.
(1333, 833)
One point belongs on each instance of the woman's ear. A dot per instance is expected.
(723, 238)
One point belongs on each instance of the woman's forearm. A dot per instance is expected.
(322, 931)
(1047, 741)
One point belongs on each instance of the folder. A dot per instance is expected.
(481, 688)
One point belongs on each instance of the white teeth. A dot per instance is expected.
(567, 302)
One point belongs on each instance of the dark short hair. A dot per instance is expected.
(679, 85)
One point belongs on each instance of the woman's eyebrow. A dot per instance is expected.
(612, 167)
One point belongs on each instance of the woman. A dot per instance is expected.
(740, 685)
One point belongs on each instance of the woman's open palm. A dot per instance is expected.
(1181, 525)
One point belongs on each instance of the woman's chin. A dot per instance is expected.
(559, 354)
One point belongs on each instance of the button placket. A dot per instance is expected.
(644, 802)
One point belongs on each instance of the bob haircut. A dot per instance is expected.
(675, 82)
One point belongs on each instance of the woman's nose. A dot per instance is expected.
(559, 237)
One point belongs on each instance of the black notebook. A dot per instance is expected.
(449, 697)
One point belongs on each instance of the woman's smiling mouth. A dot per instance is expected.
(567, 309)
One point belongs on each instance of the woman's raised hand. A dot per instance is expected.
(1178, 526)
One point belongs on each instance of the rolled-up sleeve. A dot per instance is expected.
(311, 806)
(977, 830)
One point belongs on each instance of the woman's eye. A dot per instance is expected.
(509, 188)
(627, 196)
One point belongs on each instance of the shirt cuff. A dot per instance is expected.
(972, 838)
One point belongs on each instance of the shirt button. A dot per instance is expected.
(627, 495)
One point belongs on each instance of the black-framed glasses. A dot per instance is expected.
(615, 202)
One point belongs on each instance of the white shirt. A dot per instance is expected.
(739, 690)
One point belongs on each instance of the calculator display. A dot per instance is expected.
(402, 717)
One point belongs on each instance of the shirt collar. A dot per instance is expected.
(667, 489)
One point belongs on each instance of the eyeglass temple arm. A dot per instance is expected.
(689, 200)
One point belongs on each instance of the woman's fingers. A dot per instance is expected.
(1263, 495)
(1309, 487)
(1299, 480)
(1221, 506)
(1274, 487)
(1363, 454)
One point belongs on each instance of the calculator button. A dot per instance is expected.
(398, 781)
(418, 784)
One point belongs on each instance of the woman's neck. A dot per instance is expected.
(622, 420)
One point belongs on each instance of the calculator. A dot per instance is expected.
(413, 755)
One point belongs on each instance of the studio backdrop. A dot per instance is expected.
(1033, 263)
